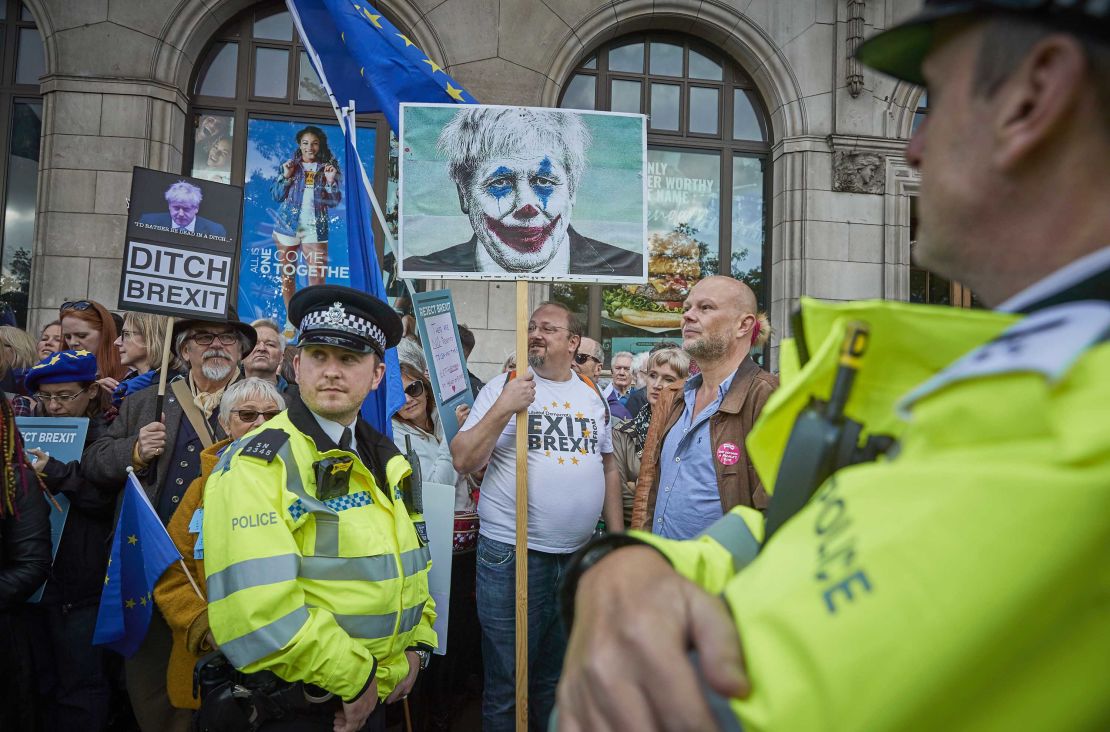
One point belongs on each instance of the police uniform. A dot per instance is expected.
(959, 582)
(317, 569)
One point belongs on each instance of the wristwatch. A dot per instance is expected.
(425, 657)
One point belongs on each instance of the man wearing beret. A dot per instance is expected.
(316, 556)
(960, 582)
(165, 452)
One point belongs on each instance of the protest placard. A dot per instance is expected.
(439, 334)
(176, 260)
(63, 438)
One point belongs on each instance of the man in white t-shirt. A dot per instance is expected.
(572, 481)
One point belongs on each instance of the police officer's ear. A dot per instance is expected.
(297, 365)
(1046, 91)
(464, 200)
(379, 371)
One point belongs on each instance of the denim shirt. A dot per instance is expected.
(689, 500)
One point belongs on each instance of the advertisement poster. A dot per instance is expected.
(439, 333)
(491, 192)
(684, 191)
(179, 252)
(294, 217)
(63, 438)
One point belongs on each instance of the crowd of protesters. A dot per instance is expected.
(223, 380)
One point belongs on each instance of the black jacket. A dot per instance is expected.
(77, 576)
(24, 544)
(587, 257)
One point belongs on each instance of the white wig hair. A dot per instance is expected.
(410, 352)
(241, 391)
(474, 135)
(185, 192)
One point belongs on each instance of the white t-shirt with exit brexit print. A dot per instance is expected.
(567, 435)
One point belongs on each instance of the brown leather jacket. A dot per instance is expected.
(738, 483)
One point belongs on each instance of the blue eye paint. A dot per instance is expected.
(495, 187)
(543, 191)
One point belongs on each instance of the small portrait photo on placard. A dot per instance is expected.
(181, 209)
(496, 192)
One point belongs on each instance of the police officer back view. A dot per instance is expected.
(317, 569)
(960, 583)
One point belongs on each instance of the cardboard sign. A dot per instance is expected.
(439, 518)
(439, 334)
(181, 247)
(492, 192)
(64, 439)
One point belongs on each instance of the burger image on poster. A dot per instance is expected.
(673, 268)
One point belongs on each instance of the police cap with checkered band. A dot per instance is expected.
(900, 50)
(332, 315)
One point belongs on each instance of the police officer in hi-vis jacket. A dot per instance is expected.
(317, 561)
(958, 581)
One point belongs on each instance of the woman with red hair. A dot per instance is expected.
(87, 325)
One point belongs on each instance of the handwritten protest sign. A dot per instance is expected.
(435, 319)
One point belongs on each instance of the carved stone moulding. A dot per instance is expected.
(859, 172)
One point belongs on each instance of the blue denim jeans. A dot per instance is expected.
(547, 639)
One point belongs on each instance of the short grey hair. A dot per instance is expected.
(410, 352)
(241, 391)
(623, 354)
(272, 325)
(184, 191)
(640, 360)
(474, 135)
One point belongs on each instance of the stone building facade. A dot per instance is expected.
(121, 79)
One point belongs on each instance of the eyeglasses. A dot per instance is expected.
(546, 328)
(250, 415)
(128, 334)
(76, 305)
(205, 339)
(60, 398)
(581, 358)
(415, 389)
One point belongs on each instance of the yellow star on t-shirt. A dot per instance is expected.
(554, 404)
(132, 539)
(547, 453)
(130, 603)
(566, 405)
(574, 460)
(583, 451)
(561, 461)
(585, 433)
(578, 415)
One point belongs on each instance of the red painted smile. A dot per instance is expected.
(524, 239)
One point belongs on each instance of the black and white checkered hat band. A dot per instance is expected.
(348, 323)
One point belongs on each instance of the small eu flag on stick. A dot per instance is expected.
(141, 552)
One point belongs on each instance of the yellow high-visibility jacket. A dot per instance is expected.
(961, 582)
(324, 592)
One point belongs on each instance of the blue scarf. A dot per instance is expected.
(132, 385)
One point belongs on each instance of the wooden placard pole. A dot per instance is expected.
(522, 515)
(166, 356)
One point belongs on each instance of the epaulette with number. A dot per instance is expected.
(265, 445)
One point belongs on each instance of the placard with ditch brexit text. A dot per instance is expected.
(181, 253)
(62, 438)
(439, 334)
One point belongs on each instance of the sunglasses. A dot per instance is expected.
(415, 389)
(581, 358)
(76, 305)
(249, 415)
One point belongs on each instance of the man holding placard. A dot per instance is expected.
(572, 480)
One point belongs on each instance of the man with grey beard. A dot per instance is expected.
(694, 467)
(165, 452)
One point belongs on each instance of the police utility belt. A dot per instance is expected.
(231, 701)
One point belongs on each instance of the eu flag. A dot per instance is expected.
(361, 56)
(141, 551)
(382, 403)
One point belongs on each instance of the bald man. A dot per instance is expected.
(588, 362)
(694, 466)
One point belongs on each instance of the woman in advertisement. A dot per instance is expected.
(307, 186)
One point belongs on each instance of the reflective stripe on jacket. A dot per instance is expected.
(312, 589)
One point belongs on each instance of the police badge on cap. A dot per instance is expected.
(332, 315)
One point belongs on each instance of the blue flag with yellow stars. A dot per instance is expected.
(141, 551)
(361, 56)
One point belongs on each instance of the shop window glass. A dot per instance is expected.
(628, 58)
(213, 146)
(702, 67)
(31, 63)
(745, 120)
(664, 106)
(220, 77)
(666, 59)
(275, 27)
(581, 92)
(748, 224)
(271, 72)
(704, 112)
(309, 86)
(19, 205)
(624, 96)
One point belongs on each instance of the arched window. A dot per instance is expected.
(20, 135)
(254, 92)
(708, 169)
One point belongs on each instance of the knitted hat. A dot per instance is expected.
(62, 367)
